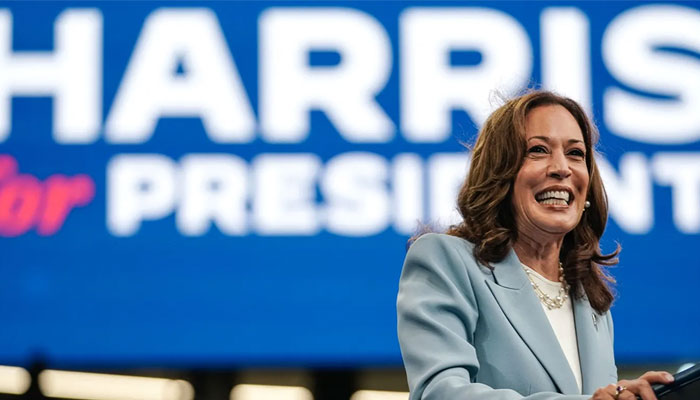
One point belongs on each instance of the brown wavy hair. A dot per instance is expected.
(484, 199)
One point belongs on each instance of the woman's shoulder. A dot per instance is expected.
(443, 249)
(433, 240)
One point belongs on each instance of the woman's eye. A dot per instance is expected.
(537, 149)
(577, 153)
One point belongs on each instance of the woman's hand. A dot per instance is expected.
(630, 389)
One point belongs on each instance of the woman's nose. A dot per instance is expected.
(559, 166)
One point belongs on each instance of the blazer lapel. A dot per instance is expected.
(521, 306)
(587, 324)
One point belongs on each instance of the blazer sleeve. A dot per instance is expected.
(437, 315)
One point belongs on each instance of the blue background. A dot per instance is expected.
(83, 296)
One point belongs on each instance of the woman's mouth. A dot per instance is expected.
(554, 197)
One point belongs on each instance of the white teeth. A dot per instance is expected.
(556, 195)
(554, 202)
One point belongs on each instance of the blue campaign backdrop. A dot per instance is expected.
(87, 291)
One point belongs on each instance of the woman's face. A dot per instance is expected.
(550, 189)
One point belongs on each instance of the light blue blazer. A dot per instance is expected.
(469, 332)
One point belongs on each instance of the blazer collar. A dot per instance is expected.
(509, 273)
(512, 291)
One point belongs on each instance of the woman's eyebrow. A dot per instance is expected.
(547, 139)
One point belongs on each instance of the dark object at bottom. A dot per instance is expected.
(686, 386)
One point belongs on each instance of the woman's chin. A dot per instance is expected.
(557, 227)
(556, 223)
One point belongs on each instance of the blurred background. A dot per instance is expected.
(211, 200)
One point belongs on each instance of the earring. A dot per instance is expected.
(586, 204)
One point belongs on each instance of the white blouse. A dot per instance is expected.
(562, 321)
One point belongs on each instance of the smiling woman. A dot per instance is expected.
(513, 302)
(556, 151)
(532, 145)
(550, 189)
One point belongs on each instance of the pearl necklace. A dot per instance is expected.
(550, 302)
